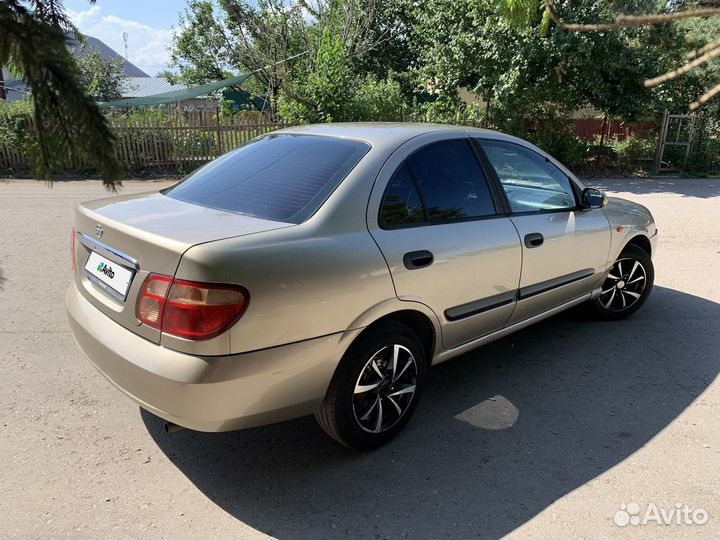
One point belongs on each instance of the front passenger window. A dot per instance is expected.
(531, 183)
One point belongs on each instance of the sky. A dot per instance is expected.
(148, 24)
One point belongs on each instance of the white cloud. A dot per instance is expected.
(147, 46)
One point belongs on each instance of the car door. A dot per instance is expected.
(434, 217)
(564, 247)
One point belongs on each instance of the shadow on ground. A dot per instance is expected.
(702, 188)
(501, 433)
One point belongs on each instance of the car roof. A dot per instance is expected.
(384, 133)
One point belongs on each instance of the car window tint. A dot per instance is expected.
(401, 204)
(532, 184)
(451, 181)
(280, 177)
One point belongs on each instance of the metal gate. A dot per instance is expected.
(676, 139)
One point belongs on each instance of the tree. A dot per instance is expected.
(331, 91)
(166, 74)
(215, 40)
(102, 80)
(522, 13)
(286, 46)
(67, 120)
(470, 45)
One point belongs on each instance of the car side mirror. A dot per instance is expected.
(593, 198)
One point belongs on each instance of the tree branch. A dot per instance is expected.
(670, 75)
(702, 50)
(628, 21)
(707, 96)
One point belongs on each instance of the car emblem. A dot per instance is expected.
(98, 231)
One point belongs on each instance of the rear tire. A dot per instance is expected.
(627, 285)
(376, 387)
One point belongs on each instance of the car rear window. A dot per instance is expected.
(282, 177)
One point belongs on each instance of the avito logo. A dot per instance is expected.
(105, 269)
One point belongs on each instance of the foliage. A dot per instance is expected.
(14, 117)
(470, 45)
(69, 125)
(705, 155)
(158, 115)
(448, 110)
(300, 52)
(379, 100)
(166, 74)
(330, 91)
(102, 80)
(326, 90)
(633, 150)
(552, 133)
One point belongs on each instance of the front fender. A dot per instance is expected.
(628, 220)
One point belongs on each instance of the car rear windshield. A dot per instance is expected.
(281, 177)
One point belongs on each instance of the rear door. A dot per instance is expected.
(434, 217)
(564, 247)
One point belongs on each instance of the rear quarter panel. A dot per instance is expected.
(300, 286)
(306, 281)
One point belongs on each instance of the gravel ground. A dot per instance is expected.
(542, 434)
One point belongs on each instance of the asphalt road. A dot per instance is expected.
(542, 434)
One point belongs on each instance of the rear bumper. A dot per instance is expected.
(207, 393)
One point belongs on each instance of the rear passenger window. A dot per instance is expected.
(401, 204)
(451, 181)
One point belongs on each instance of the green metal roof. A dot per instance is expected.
(176, 96)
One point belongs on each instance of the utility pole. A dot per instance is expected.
(125, 39)
(3, 95)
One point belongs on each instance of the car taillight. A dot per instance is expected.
(72, 251)
(151, 300)
(188, 309)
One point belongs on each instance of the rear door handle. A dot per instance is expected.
(418, 259)
(534, 240)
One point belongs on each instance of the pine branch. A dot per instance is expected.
(69, 126)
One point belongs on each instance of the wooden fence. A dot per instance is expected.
(163, 141)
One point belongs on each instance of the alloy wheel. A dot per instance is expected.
(385, 388)
(623, 286)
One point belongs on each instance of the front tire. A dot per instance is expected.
(376, 387)
(627, 285)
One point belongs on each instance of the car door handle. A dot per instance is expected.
(534, 240)
(418, 259)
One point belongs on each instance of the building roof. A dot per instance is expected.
(106, 53)
(15, 90)
(135, 87)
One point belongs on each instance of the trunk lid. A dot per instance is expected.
(145, 233)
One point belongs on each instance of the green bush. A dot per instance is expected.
(553, 134)
(14, 116)
(705, 157)
(633, 152)
(444, 111)
(377, 100)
